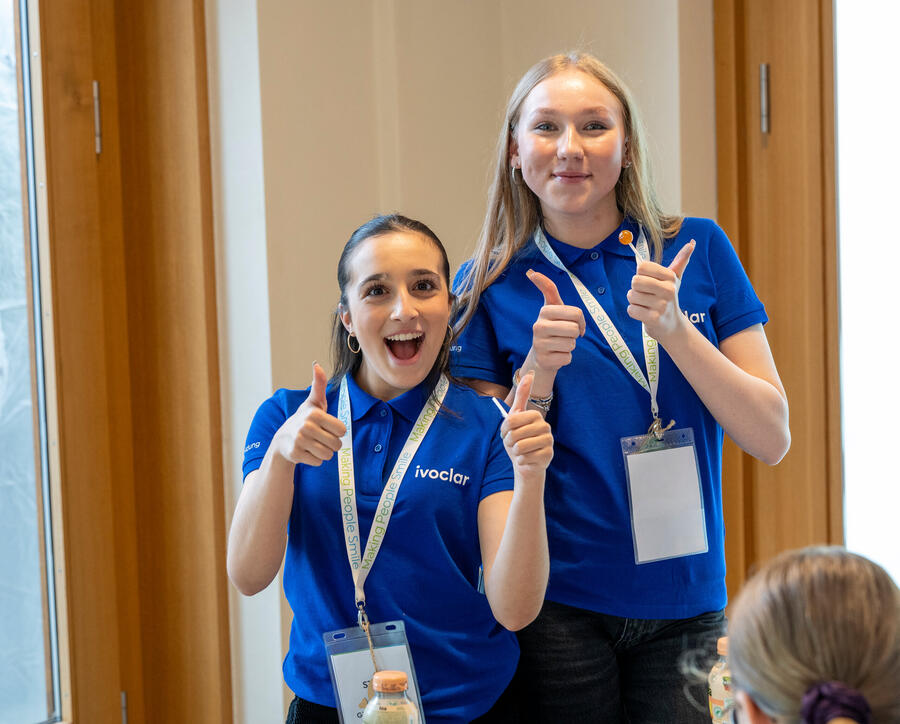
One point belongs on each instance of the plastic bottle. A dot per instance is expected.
(721, 697)
(390, 704)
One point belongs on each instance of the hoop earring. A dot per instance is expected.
(449, 332)
(512, 173)
(354, 351)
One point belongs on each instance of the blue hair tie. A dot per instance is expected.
(829, 700)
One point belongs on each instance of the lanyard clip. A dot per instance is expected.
(657, 430)
(655, 434)
(361, 618)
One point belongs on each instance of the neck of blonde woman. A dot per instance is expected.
(584, 230)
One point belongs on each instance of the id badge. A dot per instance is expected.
(350, 665)
(665, 497)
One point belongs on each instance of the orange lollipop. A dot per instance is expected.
(625, 239)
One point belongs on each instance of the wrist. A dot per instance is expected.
(540, 401)
(679, 333)
(543, 376)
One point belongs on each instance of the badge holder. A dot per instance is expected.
(351, 667)
(664, 494)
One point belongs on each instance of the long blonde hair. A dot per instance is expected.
(514, 211)
(814, 615)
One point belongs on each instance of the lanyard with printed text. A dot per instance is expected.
(361, 563)
(615, 340)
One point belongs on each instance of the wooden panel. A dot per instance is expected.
(130, 247)
(785, 255)
(776, 200)
(118, 372)
(738, 545)
(94, 462)
(833, 440)
(173, 359)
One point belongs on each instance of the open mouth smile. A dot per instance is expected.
(404, 347)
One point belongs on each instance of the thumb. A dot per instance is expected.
(317, 389)
(523, 391)
(546, 287)
(680, 262)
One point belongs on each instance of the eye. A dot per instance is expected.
(424, 285)
(374, 290)
(544, 126)
(596, 126)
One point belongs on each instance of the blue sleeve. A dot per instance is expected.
(498, 470)
(737, 306)
(268, 419)
(475, 354)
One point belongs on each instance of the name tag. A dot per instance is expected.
(351, 669)
(665, 496)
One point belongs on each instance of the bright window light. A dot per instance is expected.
(867, 58)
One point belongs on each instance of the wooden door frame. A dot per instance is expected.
(142, 539)
(732, 177)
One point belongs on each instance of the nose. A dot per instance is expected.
(404, 307)
(569, 145)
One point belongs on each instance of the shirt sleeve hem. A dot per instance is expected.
(497, 486)
(739, 324)
(479, 373)
(251, 465)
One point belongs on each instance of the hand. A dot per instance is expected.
(310, 436)
(557, 328)
(653, 297)
(526, 435)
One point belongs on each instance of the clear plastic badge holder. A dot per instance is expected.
(350, 665)
(664, 495)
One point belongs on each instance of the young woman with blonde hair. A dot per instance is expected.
(815, 638)
(582, 279)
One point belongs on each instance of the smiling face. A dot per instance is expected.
(570, 144)
(398, 307)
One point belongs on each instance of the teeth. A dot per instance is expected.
(404, 337)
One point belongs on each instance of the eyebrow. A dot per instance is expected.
(586, 111)
(382, 276)
(372, 278)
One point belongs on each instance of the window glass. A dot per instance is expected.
(867, 58)
(28, 676)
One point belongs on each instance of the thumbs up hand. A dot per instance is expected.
(526, 435)
(653, 297)
(556, 330)
(310, 436)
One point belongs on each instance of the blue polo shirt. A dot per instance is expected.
(426, 573)
(597, 403)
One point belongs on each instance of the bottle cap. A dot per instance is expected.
(722, 646)
(389, 681)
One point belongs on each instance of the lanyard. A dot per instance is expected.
(361, 563)
(615, 340)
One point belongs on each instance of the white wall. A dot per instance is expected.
(243, 310)
(343, 110)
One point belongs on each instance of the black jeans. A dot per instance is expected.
(581, 666)
(504, 711)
